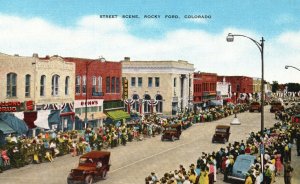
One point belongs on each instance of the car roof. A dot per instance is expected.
(96, 154)
(223, 126)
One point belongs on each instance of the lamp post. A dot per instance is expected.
(260, 46)
(287, 66)
(87, 64)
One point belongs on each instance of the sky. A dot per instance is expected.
(193, 30)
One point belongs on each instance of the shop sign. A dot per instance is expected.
(13, 106)
(89, 102)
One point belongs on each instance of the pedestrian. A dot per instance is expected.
(288, 169)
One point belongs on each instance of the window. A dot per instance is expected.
(132, 81)
(27, 85)
(149, 81)
(54, 87)
(237, 87)
(136, 104)
(99, 84)
(140, 82)
(84, 84)
(147, 102)
(11, 85)
(78, 82)
(113, 81)
(174, 82)
(159, 106)
(156, 81)
(117, 85)
(107, 84)
(42, 85)
(94, 82)
(67, 85)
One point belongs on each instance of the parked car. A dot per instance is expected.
(276, 106)
(171, 132)
(222, 133)
(241, 166)
(255, 106)
(92, 166)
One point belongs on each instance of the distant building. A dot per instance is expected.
(162, 87)
(223, 90)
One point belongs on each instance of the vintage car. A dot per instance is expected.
(222, 133)
(92, 166)
(171, 132)
(241, 166)
(255, 106)
(276, 106)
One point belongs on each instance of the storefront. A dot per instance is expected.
(94, 113)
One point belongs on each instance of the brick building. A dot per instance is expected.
(204, 87)
(98, 82)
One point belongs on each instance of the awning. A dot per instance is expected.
(42, 119)
(5, 128)
(15, 123)
(118, 115)
(93, 115)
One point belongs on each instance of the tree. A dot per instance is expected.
(275, 86)
(293, 87)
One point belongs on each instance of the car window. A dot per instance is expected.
(221, 130)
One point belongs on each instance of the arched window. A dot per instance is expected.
(11, 85)
(99, 84)
(77, 85)
(94, 87)
(42, 85)
(159, 106)
(147, 106)
(27, 85)
(67, 85)
(55, 85)
(136, 104)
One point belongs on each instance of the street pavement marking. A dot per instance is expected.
(149, 157)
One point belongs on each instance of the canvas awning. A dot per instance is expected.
(5, 128)
(118, 115)
(42, 119)
(93, 116)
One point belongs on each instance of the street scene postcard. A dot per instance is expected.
(149, 92)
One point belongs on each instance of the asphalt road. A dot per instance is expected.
(133, 162)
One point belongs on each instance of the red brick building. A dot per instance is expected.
(204, 87)
(239, 85)
(101, 81)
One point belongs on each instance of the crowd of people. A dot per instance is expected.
(45, 147)
(277, 140)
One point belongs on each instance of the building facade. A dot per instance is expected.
(223, 90)
(97, 89)
(161, 87)
(204, 87)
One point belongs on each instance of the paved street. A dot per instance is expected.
(132, 163)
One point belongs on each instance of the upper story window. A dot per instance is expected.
(55, 85)
(27, 85)
(77, 85)
(99, 84)
(156, 81)
(94, 82)
(67, 83)
(149, 81)
(133, 81)
(174, 82)
(11, 85)
(237, 87)
(107, 84)
(83, 84)
(117, 85)
(140, 82)
(113, 81)
(42, 85)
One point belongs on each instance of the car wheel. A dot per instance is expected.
(104, 174)
(173, 138)
(89, 179)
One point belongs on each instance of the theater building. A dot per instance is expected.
(161, 87)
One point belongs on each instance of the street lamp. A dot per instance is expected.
(287, 66)
(87, 64)
(260, 45)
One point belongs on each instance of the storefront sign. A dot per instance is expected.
(89, 102)
(10, 106)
